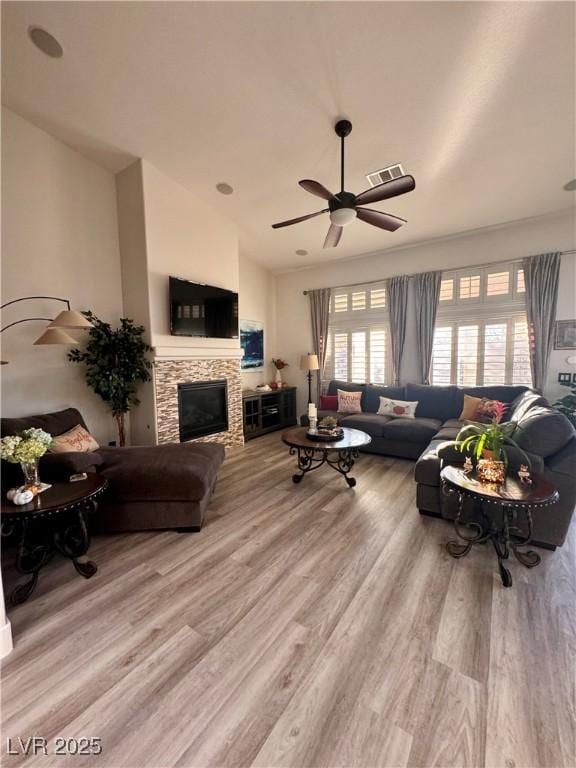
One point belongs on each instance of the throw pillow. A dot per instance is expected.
(328, 402)
(480, 409)
(76, 440)
(397, 409)
(469, 409)
(349, 402)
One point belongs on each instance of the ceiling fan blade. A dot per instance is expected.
(333, 236)
(315, 188)
(300, 218)
(379, 219)
(388, 189)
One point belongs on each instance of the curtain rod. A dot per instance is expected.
(452, 269)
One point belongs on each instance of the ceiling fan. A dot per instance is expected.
(344, 207)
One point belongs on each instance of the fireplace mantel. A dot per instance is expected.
(197, 353)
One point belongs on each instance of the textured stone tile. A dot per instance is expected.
(169, 373)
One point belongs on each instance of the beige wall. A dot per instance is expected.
(188, 239)
(258, 302)
(59, 238)
(165, 230)
(550, 233)
(135, 294)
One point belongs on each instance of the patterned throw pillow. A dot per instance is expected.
(76, 440)
(349, 402)
(481, 409)
(397, 409)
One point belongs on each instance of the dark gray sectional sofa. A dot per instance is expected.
(543, 433)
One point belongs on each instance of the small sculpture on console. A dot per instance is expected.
(524, 474)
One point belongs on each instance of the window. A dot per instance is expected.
(469, 287)
(447, 290)
(358, 336)
(498, 283)
(481, 334)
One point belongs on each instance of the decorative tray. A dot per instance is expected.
(326, 437)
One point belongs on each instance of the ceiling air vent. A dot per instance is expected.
(386, 174)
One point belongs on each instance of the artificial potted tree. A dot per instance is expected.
(116, 365)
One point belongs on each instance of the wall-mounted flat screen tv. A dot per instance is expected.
(202, 310)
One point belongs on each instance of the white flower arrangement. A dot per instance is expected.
(29, 445)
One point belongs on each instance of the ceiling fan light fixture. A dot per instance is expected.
(341, 217)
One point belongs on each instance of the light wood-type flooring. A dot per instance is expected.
(306, 625)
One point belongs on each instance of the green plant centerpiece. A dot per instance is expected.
(116, 365)
(489, 443)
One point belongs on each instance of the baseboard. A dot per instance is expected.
(5, 639)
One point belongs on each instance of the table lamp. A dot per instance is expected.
(309, 363)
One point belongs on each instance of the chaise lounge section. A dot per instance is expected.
(149, 487)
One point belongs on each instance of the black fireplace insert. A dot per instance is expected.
(202, 408)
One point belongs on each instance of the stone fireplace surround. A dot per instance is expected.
(168, 373)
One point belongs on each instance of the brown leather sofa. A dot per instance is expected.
(149, 487)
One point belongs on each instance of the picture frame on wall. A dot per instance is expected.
(565, 336)
(252, 343)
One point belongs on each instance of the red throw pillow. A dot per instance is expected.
(328, 402)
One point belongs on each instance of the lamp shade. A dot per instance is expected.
(70, 318)
(55, 336)
(309, 363)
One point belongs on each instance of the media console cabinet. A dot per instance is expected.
(267, 411)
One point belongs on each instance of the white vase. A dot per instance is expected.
(278, 378)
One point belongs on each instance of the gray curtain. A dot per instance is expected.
(427, 297)
(398, 300)
(320, 316)
(541, 280)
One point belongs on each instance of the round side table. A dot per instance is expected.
(53, 522)
(504, 508)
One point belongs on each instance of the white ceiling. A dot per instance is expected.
(476, 99)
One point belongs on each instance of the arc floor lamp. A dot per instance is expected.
(54, 333)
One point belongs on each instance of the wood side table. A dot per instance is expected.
(504, 508)
(312, 454)
(53, 522)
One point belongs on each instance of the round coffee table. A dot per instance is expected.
(312, 454)
(54, 521)
(502, 509)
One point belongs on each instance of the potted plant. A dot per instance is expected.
(116, 365)
(26, 448)
(488, 443)
(279, 364)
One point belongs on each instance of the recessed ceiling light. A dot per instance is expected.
(301, 252)
(570, 186)
(224, 189)
(45, 42)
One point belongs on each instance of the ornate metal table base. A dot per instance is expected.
(314, 458)
(40, 539)
(498, 527)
